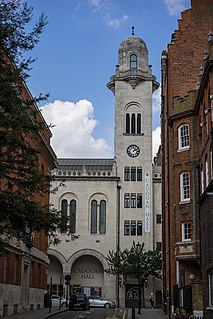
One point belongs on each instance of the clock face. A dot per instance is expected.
(133, 150)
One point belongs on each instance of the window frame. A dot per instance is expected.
(186, 231)
(139, 174)
(127, 173)
(73, 205)
(133, 228)
(133, 61)
(126, 200)
(139, 200)
(126, 227)
(183, 138)
(158, 219)
(133, 200)
(139, 228)
(184, 187)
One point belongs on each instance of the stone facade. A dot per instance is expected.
(115, 201)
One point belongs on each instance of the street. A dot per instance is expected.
(93, 313)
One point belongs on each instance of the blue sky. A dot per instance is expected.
(76, 56)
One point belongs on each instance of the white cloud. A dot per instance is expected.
(73, 130)
(116, 23)
(156, 101)
(156, 140)
(174, 7)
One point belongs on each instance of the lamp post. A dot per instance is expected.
(139, 279)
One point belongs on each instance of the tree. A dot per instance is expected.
(135, 262)
(23, 186)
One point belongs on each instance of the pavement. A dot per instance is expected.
(130, 314)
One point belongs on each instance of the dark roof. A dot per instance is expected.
(88, 163)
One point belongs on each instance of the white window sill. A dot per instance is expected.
(185, 202)
(183, 149)
(209, 308)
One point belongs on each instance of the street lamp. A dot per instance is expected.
(139, 279)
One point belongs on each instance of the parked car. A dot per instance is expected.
(56, 300)
(96, 301)
(79, 300)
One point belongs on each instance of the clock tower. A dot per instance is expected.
(133, 85)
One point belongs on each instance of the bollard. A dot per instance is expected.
(133, 311)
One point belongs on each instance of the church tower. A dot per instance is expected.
(133, 86)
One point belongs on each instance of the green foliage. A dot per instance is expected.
(135, 262)
(21, 176)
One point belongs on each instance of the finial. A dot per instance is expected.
(133, 30)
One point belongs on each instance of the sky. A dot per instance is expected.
(76, 57)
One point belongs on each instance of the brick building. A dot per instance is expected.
(24, 262)
(185, 100)
(204, 109)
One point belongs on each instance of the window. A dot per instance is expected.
(185, 186)
(139, 200)
(133, 200)
(64, 206)
(207, 171)
(183, 137)
(139, 174)
(126, 200)
(98, 217)
(126, 228)
(159, 245)
(139, 227)
(186, 231)
(127, 173)
(5, 267)
(133, 173)
(139, 123)
(211, 288)
(202, 179)
(127, 123)
(133, 61)
(102, 219)
(73, 216)
(133, 228)
(133, 123)
(158, 218)
(94, 217)
(15, 270)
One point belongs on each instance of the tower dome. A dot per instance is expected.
(133, 66)
(133, 54)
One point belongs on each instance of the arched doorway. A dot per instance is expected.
(87, 275)
(55, 276)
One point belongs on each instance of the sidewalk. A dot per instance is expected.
(37, 314)
(147, 314)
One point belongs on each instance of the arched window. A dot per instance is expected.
(139, 123)
(184, 187)
(73, 216)
(133, 61)
(64, 215)
(183, 137)
(127, 123)
(94, 217)
(102, 217)
(133, 123)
